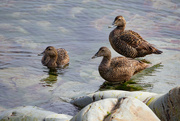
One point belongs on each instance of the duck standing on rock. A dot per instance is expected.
(128, 42)
(54, 58)
(117, 69)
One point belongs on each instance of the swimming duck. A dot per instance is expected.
(117, 69)
(128, 42)
(53, 57)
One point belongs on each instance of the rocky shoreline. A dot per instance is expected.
(112, 105)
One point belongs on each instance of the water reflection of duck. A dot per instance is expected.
(128, 42)
(117, 69)
(55, 57)
(51, 79)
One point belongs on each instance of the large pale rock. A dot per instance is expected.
(85, 100)
(32, 113)
(95, 111)
(167, 106)
(113, 109)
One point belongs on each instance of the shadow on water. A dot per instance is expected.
(132, 84)
(52, 76)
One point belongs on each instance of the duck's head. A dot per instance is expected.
(50, 51)
(103, 51)
(119, 21)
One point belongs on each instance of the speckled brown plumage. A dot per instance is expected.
(128, 42)
(53, 58)
(117, 69)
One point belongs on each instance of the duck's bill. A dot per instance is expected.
(95, 56)
(113, 25)
(110, 26)
(40, 54)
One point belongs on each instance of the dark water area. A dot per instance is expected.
(81, 27)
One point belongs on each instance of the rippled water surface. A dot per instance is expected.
(81, 27)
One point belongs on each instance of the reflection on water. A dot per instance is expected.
(52, 75)
(128, 86)
(81, 27)
(51, 79)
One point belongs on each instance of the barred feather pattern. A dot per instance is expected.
(129, 43)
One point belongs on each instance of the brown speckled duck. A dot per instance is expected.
(128, 42)
(55, 57)
(117, 69)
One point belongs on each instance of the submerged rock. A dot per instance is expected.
(59, 106)
(32, 113)
(113, 109)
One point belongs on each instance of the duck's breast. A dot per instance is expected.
(124, 43)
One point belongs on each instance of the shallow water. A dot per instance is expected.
(81, 27)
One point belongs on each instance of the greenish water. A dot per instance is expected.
(81, 27)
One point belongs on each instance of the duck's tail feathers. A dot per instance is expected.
(157, 51)
(154, 50)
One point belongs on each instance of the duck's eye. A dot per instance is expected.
(119, 19)
(49, 48)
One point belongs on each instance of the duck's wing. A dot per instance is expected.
(134, 40)
(137, 65)
(117, 62)
(63, 57)
(122, 67)
(146, 47)
(135, 34)
(124, 44)
(130, 39)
